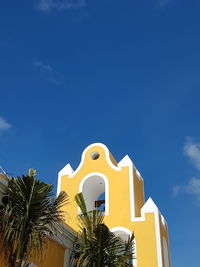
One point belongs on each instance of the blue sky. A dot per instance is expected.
(124, 73)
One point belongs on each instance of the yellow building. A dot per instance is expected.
(101, 179)
(58, 249)
(118, 188)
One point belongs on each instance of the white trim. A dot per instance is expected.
(107, 152)
(132, 193)
(158, 239)
(135, 255)
(150, 207)
(59, 183)
(139, 175)
(67, 170)
(106, 187)
(127, 162)
(163, 221)
(65, 237)
(66, 257)
(122, 229)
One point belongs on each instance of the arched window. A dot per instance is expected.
(95, 192)
(100, 203)
(124, 234)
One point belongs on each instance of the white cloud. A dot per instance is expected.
(163, 3)
(49, 5)
(4, 125)
(47, 71)
(192, 151)
(193, 187)
(42, 66)
(175, 190)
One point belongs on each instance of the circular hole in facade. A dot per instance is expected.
(95, 155)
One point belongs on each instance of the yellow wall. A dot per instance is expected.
(119, 201)
(119, 189)
(53, 255)
(124, 180)
(139, 193)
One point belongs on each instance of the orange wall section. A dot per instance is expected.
(52, 256)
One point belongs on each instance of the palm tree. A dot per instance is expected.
(96, 245)
(29, 214)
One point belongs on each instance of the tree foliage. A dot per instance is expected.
(96, 245)
(29, 214)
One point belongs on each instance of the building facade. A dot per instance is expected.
(118, 189)
(58, 249)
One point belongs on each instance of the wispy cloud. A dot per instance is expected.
(42, 66)
(192, 151)
(57, 5)
(47, 72)
(193, 187)
(176, 189)
(4, 125)
(163, 3)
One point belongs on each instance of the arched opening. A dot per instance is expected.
(95, 191)
(124, 234)
(100, 203)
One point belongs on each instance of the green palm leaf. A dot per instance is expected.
(30, 215)
(96, 245)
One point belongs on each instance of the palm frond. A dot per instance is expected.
(30, 215)
(96, 245)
